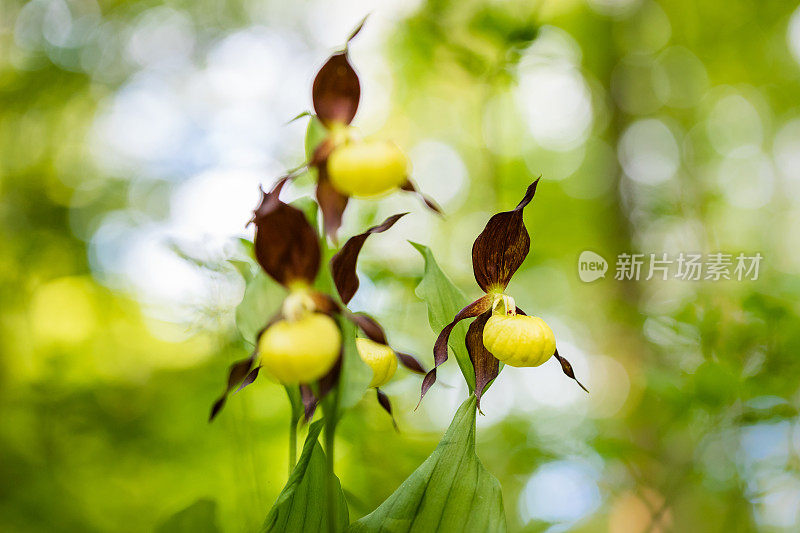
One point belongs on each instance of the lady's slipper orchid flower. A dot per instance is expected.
(302, 343)
(502, 331)
(346, 165)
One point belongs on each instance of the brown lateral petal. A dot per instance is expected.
(329, 380)
(236, 373)
(369, 326)
(566, 367)
(409, 186)
(486, 365)
(331, 202)
(309, 402)
(285, 243)
(343, 264)
(249, 379)
(410, 362)
(336, 91)
(242, 371)
(502, 246)
(478, 307)
(387, 406)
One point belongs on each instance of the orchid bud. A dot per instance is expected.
(367, 168)
(380, 358)
(300, 350)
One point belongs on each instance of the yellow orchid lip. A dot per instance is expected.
(367, 168)
(519, 340)
(380, 358)
(301, 350)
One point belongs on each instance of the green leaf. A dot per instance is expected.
(450, 491)
(262, 299)
(302, 504)
(244, 268)
(200, 517)
(444, 301)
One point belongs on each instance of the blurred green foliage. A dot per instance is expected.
(103, 406)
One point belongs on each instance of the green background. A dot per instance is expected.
(657, 127)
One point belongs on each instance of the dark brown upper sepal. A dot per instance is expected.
(502, 246)
(336, 91)
(286, 245)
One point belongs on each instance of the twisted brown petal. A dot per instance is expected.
(409, 186)
(369, 326)
(331, 202)
(343, 264)
(485, 364)
(566, 367)
(249, 379)
(410, 362)
(383, 400)
(286, 245)
(336, 91)
(478, 307)
(241, 371)
(502, 246)
(236, 373)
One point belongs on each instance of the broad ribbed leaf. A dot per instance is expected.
(450, 491)
(302, 504)
(200, 517)
(444, 301)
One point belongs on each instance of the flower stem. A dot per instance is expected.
(292, 443)
(331, 407)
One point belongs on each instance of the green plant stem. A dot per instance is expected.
(292, 443)
(330, 407)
